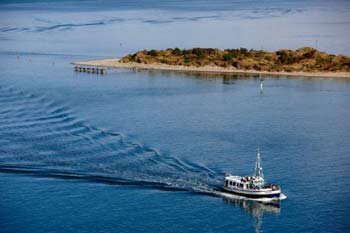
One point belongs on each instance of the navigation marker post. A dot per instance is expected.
(261, 85)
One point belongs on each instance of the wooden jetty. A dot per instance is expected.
(89, 69)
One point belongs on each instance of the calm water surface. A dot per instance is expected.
(146, 151)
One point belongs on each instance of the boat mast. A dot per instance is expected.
(258, 166)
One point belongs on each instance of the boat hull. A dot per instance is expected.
(271, 194)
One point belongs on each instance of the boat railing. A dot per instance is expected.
(274, 187)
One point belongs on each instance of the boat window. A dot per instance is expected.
(230, 182)
(234, 184)
(226, 183)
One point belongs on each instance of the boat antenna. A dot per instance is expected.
(258, 166)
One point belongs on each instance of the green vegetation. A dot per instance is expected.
(305, 59)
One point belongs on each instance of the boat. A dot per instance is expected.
(252, 186)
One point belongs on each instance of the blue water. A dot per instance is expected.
(146, 151)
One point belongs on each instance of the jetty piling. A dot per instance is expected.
(90, 70)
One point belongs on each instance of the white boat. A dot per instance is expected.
(252, 186)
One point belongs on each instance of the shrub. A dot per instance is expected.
(228, 57)
(177, 51)
(197, 51)
(243, 51)
(153, 53)
(284, 57)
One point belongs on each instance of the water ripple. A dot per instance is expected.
(38, 133)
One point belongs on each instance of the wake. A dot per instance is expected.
(38, 136)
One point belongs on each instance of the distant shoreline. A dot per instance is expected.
(115, 63)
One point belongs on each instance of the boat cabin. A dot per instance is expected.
(246, 182)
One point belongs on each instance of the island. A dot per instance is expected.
(305, 61)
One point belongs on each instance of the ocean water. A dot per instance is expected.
(147, 151)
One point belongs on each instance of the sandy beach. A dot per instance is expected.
(115, 63)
